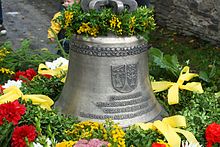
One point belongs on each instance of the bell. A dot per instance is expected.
(108, 78)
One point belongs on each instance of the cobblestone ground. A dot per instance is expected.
(28, 19)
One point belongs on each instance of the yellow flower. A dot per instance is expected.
(113, 22)
(3, 53)
(6, 71)
(93, 31)
(66, 144)
(68, 18)
(84, 28)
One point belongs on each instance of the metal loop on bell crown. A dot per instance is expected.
(117, 5)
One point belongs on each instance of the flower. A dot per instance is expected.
(57, 63)
(47, 76)
(187, 144)
(9, 83)
(1, 89)
(66, 144)
(100, 23)
(12, 112)
(6, 71)
(91, 143)
(20, 133)
(25, 75)
(212, 134)
(155, 144)
(37, 144)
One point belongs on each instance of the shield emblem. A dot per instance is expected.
(124, 77)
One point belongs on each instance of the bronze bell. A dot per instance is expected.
(108, 78)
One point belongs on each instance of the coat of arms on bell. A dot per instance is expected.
(124, 77)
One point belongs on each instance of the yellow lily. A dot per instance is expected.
(173, 88)
(169, 127)
(43, 69)
(12, 93)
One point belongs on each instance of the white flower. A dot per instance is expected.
(187, 144)
(37, 144)
(57, 63)
(12, 83)
(48, 141)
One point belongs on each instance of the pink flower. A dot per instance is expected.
(91, 143)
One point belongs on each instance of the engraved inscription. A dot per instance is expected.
(119, 116)
(125, 97)
(124, 77)
(125, 109)
(121, 103)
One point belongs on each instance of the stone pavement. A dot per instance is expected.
(28, 19)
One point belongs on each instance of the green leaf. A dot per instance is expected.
(204, 76)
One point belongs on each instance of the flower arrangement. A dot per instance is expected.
(26, 122)
(100, 23)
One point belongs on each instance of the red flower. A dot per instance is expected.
(1, 89)
(12, 112)
(47, 76)
(155, 144)
(22, 132)
(30, 73)
(22, 75)
(212, 134)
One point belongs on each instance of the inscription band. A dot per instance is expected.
(117, 117)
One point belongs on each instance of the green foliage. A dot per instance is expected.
(41, 85)
(6, 130)
(200, 110)
(166, 62)
(48, 123)
(209, 76)
(137, 137)
(25, 57)
(200, 55)
(100, 23)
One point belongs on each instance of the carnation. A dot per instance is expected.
(11, 112)
(23, 75)
(212, 134)
(20, 133)
(155, 144)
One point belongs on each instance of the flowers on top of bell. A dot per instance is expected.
(105, 20)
